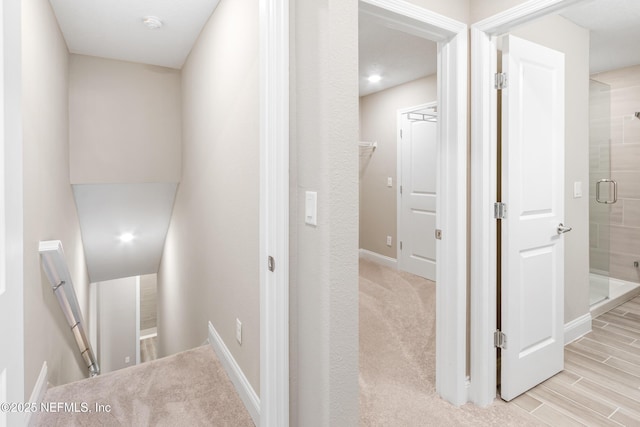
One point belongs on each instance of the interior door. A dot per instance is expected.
(532, 276)
(417, 221)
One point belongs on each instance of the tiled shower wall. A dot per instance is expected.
(623, 234)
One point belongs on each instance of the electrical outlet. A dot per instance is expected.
(239, 331)
(389, 240)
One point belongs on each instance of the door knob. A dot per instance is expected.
(563, 229)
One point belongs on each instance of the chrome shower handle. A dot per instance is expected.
(615, 191)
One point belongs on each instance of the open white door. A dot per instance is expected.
(417, 213)
(532, 286)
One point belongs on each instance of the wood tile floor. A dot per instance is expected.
(600, 385)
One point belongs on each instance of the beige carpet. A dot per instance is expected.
(397, 358)
(186, 389)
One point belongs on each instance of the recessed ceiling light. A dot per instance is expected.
(126, 237)
(374, 78)
(152, 22)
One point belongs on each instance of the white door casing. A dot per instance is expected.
(417, 158)
(11, 298)
(274, 213)
(451, 308)
(533, 189)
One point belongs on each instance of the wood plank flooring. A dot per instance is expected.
(600, 385)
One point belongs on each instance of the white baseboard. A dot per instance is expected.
(577, 328)
(39, 389)
(243, 387)
(380, 259)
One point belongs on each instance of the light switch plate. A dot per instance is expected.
(389, 181)
(577, 189)
(311, 208)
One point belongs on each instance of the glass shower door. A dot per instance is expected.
(602, 190)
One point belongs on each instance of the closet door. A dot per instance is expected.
(418, 197)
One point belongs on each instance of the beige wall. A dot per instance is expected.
(209, 268)
(49, 209)
(624, 237)
(482, 9)
(379, 122)
(559, 34)
(456, 9)
(125, 121)
(324, 259)
(117, 329)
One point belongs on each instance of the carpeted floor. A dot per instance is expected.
(186, 389)
(397, 358)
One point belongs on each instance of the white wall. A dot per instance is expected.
(209, 268)
(117, 326)
(379, 122)
(562, 35)
(49, 209)
(125, 121)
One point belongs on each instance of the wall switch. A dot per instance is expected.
(389, 240)
(311, 208)
(127, 359)
(577, 189)
(389, 181)
(239, 331)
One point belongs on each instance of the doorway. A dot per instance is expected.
(451, 218)
(578, 185)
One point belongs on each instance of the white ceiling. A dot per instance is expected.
(397, 56)
(108, 210)
(114, 29)
(615, 32)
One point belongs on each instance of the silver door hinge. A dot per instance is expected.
(401, 133)
(401, 189)
(271, 263)
(499, 340)
(499, 210)
(401, 245)
(438, 234)
(500, 81)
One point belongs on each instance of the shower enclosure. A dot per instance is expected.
(602, 190)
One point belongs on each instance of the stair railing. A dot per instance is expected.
(55, 267)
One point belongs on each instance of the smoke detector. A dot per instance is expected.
(152, 22)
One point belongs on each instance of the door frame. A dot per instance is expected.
(399, 114)
(484, 134)
(274, 212)
(11, 194)
(451, 217)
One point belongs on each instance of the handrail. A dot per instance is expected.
(55, 267)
